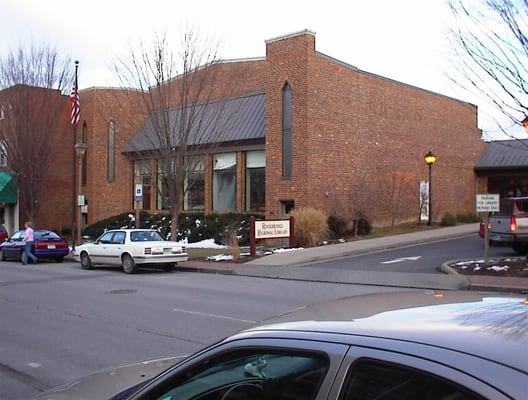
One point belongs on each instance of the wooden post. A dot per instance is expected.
(252, 240)
(292, 233)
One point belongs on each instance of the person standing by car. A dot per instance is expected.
(28, 239)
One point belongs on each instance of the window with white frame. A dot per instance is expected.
(142, 175)
(3, 153)
(224, 182)
(255, 181)
(194, 198)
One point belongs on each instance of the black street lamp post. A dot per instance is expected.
(430, 159)
(80, 150)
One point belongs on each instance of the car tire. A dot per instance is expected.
(520, 248)
(86, 262)
(129, 267)
(3, 257)
(168, 267)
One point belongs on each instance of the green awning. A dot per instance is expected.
(8, 188)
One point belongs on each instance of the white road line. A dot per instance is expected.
(211, 315)
(397, 260)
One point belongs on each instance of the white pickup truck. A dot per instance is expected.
(509, 226)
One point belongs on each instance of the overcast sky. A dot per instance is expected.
(405, 40)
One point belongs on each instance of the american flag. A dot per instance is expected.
(76, 107)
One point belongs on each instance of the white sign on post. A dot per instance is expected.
(272, 229)
(488, 202)
(139, 192)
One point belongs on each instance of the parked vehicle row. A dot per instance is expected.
(128, 248)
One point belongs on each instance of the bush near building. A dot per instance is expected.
(193, 227)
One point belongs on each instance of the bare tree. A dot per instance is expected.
(491, 54)
(31, 81)
(397, 193)
(183, 117)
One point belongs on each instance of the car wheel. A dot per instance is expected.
(128, 264)
(168, 267)
(86, 262)
(520, 249)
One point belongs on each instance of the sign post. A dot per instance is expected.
(487, 203)
(139, 198)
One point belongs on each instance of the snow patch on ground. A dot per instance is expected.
(210, 244)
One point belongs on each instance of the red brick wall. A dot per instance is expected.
(55, 197)
(99, 107)
(353, 132)
(354, 135)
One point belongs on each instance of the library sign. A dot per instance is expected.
(270, 229)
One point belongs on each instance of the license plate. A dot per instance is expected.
(51, 246)
(167, 251)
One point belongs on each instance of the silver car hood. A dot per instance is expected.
(108, 383)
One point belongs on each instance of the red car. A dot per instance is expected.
(3, 234)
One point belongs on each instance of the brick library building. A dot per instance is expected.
(300, 129)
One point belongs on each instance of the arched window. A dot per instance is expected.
(111, 152)
(286, 131)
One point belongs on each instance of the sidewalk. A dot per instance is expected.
(302, 265)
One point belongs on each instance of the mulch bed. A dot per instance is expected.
(510, 267)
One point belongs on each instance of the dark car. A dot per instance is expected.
(47, 245)
(412, 345)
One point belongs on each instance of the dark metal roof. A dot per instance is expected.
(220, 121)
(504, 154)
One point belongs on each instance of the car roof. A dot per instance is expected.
(131, 230)
(484, 325)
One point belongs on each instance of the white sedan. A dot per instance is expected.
(131, 248)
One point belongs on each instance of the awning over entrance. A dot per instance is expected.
(8, 189)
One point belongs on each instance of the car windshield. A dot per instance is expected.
(45, 235)
(145, 236)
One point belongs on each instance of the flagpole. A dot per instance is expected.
(74, 171)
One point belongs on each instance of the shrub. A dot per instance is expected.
(467, 218)
(337, 227)
(311, 227)
(363, 227)
(193, 227)
(448, 220)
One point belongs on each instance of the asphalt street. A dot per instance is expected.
(302, 264)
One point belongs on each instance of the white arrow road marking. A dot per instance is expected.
(397, 260)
